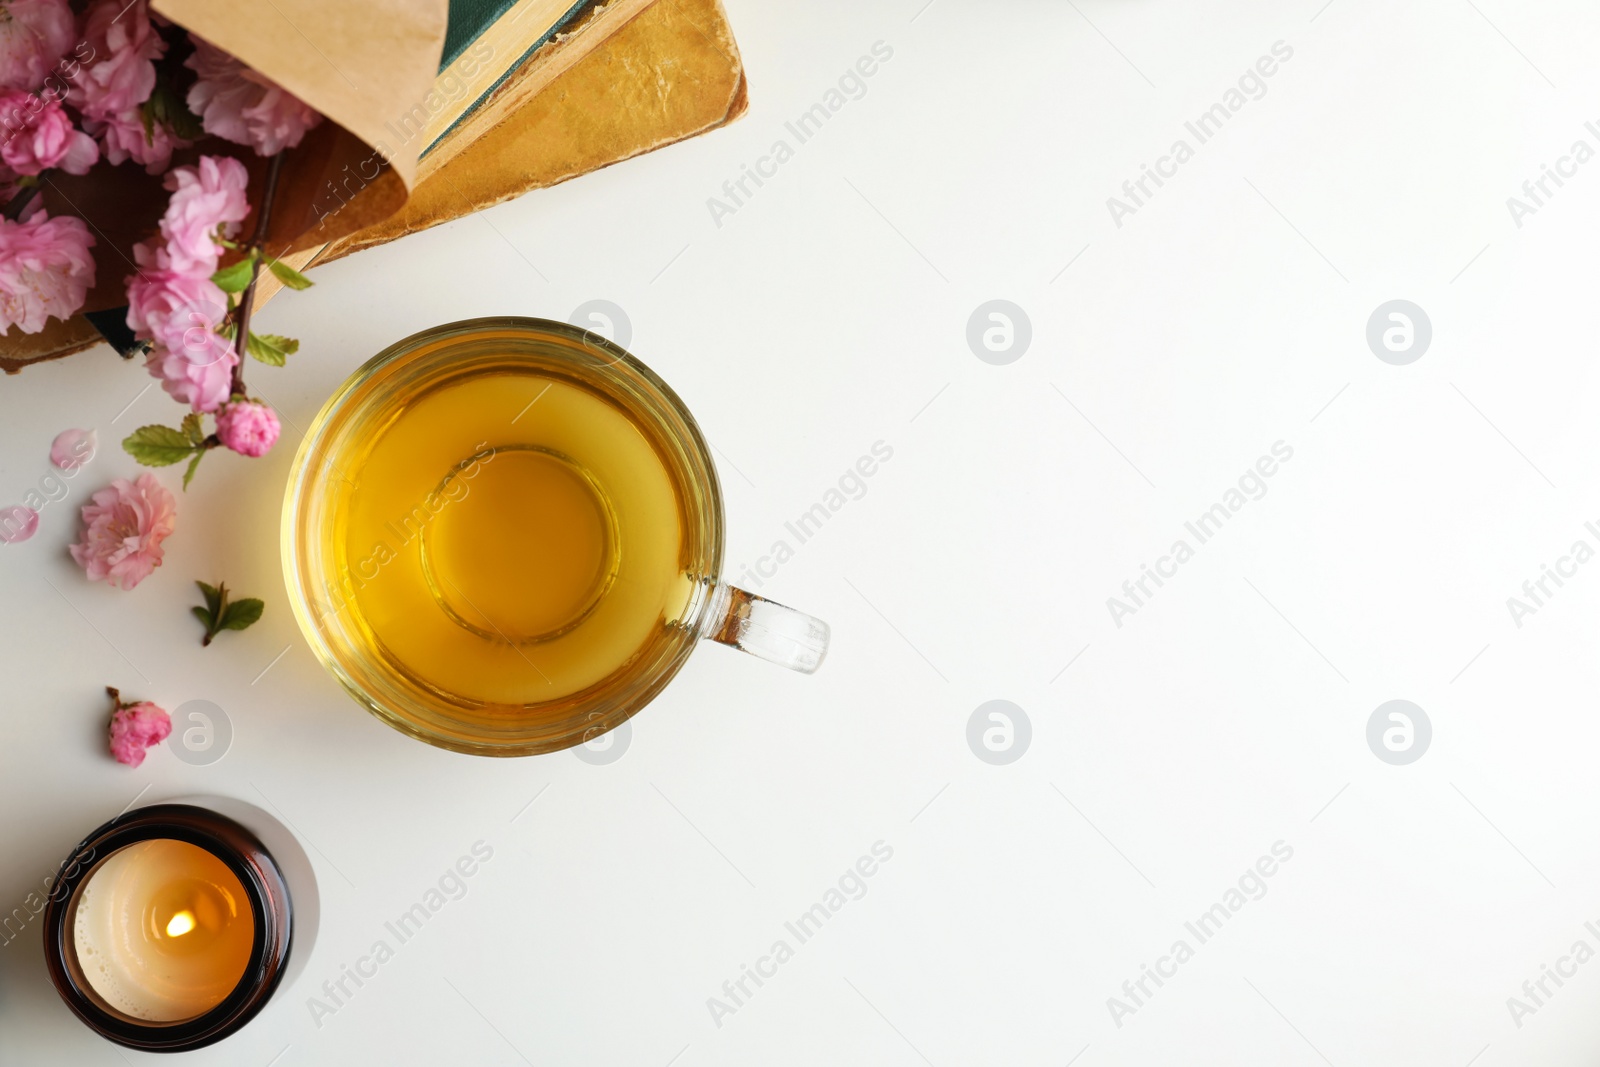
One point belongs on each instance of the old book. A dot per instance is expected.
(484, 41)
(584, 28)
(669, 71)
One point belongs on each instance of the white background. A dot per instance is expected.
(830, 312)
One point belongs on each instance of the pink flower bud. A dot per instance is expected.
(135, 728)
(249, 428)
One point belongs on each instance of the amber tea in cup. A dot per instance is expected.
(504, 535)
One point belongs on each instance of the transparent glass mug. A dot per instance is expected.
(409, 659)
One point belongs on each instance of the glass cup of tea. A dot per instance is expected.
(504, 536)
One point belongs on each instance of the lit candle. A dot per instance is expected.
(163, 931)
(170, 926)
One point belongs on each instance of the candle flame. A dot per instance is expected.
(180, 924)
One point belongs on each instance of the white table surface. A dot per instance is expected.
(1168, 754)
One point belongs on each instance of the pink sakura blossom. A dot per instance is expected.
(241, 105)
(248, 427)
(179, 312)
(17, 523)
(124, 526)
(46, 270)
(73, 448)
(36, 134)
(205, 198)
(113, 86)
(136, 728)
(34, 34)
(201, 378)
(123, 136)
(165, 303)
(122, 72)
(172, 300)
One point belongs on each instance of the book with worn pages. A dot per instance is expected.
(630, 77)
(529, 93)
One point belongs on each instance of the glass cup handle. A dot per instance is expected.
(765, 628)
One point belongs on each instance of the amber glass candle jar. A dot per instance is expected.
(168, 928)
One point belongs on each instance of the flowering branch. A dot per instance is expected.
(183, 302)
(258, 242)
(135, 88)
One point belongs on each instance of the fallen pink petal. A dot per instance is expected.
(17, 523)
(72, 449)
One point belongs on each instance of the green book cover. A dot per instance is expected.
(470, 18)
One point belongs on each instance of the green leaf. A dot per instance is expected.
(288, 275)
(166, 107)
(219, 614)
(216, 603)
(241, 614)
(191, 427)
(183, 122)
(158, 446)
(235, 279)
(272, 348)
(188, 475)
